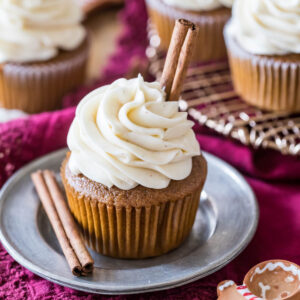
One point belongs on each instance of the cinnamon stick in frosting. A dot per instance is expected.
(62, 223)
(183, 63)
(178, 58)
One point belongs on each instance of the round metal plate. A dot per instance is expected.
(226, 221)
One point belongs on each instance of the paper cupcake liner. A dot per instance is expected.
(268, 82)
(210, 42)
(37, 87)
(133, 232)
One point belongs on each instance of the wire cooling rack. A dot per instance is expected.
(210, 99)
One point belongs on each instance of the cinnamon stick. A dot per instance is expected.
(178, 58)
(68, 223)
(183, 63)
(65, 241)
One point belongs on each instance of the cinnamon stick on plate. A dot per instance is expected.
(63, 223)
(178, 58)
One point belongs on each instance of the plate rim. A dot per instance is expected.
(58, 279)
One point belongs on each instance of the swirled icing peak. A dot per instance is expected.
(126, 134)
(198, 5)
(34, 30)
(267, 27)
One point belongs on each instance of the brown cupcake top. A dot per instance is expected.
(138, 196)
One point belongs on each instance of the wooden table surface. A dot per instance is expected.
(104, 29)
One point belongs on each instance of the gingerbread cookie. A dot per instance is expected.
(273, 279)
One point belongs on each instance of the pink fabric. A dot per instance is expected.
(274, 178)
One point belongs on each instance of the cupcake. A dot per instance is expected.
(134, 173)
(263, 41)
(209, 15)
(43, 53)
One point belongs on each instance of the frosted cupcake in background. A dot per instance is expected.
(209, 15)
(43, 52)
(135, 171)
(263, 41)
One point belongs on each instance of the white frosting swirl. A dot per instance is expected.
(34, 30)
(267, 27)
(126, 134)
(198, 5)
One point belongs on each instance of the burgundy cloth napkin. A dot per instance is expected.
(274, 178)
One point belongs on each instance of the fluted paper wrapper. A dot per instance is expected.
(268, 82)
(37, 87)
(209, 43)
(133, 232)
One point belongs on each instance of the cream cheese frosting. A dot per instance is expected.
(198, 5)
(126, 134)
(266, 27)
(35, 30)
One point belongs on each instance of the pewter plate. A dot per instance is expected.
(226, 222)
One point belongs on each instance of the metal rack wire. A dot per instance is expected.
(210, 99)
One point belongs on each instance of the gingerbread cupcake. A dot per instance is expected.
(43, 53)
(210, 16)
(263, 41)
(135, 172)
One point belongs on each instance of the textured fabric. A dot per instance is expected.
(274, 178)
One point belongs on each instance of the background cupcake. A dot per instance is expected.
(263, 40)
(135, 173)
(209, 15)
(43, 53)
